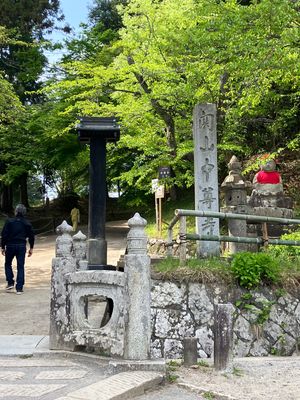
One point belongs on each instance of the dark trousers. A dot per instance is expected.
(18, 251)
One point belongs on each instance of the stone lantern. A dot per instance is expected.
(97, 132)
(235, 191)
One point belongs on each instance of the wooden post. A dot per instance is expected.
(156, 214)
(190, 353)
(170, 239)
(265, 234)
(159, 194)
(182, 246)
(159, 217)
(223, 336)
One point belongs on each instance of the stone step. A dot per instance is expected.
(121, 386)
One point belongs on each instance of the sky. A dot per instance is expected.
(75, 12)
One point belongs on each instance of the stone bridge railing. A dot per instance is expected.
(80, 296)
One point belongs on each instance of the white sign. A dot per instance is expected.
(154, 185)
(160, 192)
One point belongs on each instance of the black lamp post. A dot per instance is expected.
(96, 132)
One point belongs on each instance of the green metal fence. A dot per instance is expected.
(180, 215)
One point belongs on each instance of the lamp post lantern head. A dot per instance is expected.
(96, 127)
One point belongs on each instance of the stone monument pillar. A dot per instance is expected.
(206, 175)
(137, 289)
(235, 190)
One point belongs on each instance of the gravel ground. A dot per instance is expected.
(257, 378)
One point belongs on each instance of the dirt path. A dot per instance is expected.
(29, 314)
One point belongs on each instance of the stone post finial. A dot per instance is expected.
(64, 227)
(64, 242)
(79, 246)
(137, 238)
(234, 163)
(234, 177)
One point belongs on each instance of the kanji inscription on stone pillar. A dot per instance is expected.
(206, 174)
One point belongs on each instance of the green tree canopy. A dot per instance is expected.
(21, 64)
(172, 54)
(34, 16)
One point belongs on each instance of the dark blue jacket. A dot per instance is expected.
(15, 231)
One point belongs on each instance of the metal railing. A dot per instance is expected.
(180, 215)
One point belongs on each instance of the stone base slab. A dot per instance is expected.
(157, 365)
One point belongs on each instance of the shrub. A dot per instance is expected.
(289, 251)
(251, 269)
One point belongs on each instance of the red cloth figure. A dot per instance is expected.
(264, 177)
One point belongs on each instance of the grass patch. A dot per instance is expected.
(209, 395)
(237, 371)
(220, 271)
(173, 365)
(172, 378)
(213, 270)
(289, 275)
(203, 363)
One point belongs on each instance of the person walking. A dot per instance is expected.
(14, 235)
(75, 218)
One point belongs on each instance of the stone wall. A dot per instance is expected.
(266, 321)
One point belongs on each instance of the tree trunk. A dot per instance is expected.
(165, 115)
(171, 141)
(23, 190)
(6, 198)
(221, 113)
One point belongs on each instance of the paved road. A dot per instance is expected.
(44, 378)
(70, 378)
(20, 314)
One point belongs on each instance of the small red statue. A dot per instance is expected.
(268, 174)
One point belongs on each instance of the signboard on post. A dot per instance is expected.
(164, 172)
(160, 192)
(154, 185)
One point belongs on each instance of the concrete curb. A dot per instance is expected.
(202, 391)
(118, 387)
